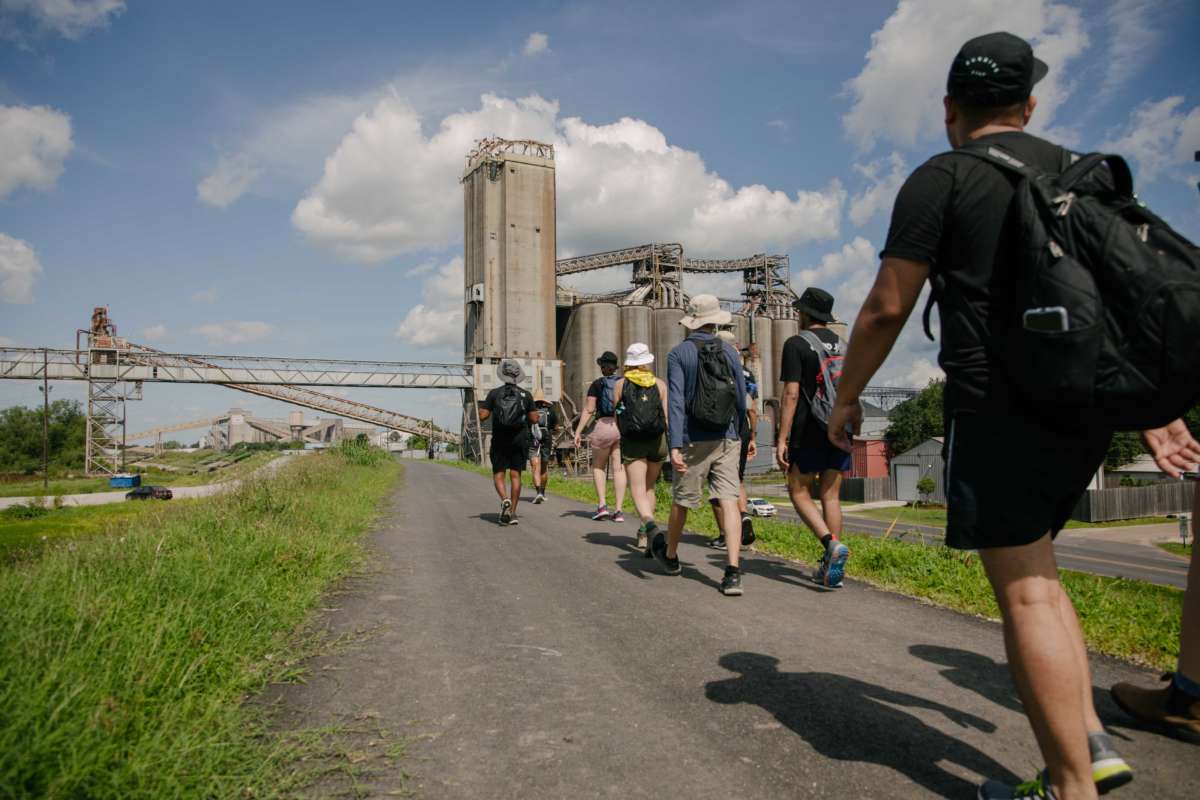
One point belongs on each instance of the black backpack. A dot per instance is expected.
(714, 402)
(510, 407)
(1129, 358)
(639, 413)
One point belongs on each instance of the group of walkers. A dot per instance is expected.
(1023, 331)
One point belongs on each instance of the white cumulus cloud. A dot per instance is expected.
(1160, 136)
(206, 296)
(846, 273)
(34, 142)
(536, 43)
(437, 321)
(881, 193)
(68, 18)
(389, 189)
(19, 268)
(231, 178)
(1131, 33)
(898, 94)
(234, 332)
(154, 333)
(7, 342)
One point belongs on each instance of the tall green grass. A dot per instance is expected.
(126, 659)
(1128, 619)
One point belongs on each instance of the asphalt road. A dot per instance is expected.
(1074, 549)
(552, 660)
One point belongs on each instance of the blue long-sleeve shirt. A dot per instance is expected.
(682, 365)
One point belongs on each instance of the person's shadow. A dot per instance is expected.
(852, 720)
(991, 679)
(773, 570)
(635, 562)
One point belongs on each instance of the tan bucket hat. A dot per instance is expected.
(704, 309)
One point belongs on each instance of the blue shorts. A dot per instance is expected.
(814, 460)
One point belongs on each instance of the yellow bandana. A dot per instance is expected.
(640, 377)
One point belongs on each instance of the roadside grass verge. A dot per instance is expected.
(1127, 619)
(32, 487)
(937, 517)
(24, 537)
(1178, 549)
(126, 660)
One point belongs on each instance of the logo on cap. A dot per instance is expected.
(973, 64)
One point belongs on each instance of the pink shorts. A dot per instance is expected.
(605, 435)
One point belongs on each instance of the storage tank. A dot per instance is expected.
(741, 330)
(592, 329)
(766, 358)
(667, 333)
(781, 331)
(637, 325)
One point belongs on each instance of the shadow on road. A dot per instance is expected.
(773, 570)
(991, 680)
(852, 720)
(635, 562)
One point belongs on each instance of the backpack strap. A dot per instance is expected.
(1001, 158)
(1122, 177)
(818, 347)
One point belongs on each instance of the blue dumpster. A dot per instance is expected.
(125, 481)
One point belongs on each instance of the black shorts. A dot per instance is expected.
(1011, 479)
(509, 456)
(742, 459)
(818, 458)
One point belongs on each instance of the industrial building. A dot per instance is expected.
(238, 426)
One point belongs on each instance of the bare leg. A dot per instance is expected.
(498, 481)
(831, 501)
(675, 525)
(1070, 621)
(535, 468)
(800, 489)
(743, 501)
(733, 530)
(653, 470)
(1043, 659)
(719, 516)
(515, 477)
(643, 499)
(600, 474)
(620, 481)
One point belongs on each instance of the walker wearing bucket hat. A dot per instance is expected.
(542, 449)
(642, 420)
(749, 449)
(512, 409)
(605, 439)
(951, 225)
(704, 434)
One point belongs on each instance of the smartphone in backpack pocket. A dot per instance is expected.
(1050, 319)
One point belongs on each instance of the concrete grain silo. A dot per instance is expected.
(767, 366)
(667, 333)
(637, 325)
(741, 330)
(781, 331)
(592, 329)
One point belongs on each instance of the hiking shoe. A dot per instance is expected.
(505, 505)
(513, 520)
(818, 575)
(539, 498)
(833, 566)
(1109, 770)
(658, 548)
(643, 541)
(718, 543)
(1036, 789)
(748, 536)
(731, 584)
(651, 529)
(601, 513)
(618, 517)
(1169, 707)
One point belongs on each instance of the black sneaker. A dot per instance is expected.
(513, 520)
(505, 505)
(731, 584)
(658, 548)
(717, 543)
(651, 530)
(748, 536)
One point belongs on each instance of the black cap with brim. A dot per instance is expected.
(607, 358)
(816, 303)
(996, 69)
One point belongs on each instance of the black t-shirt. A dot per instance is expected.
(596, 390)
(952, 214)
(801, 364)
(509, 437)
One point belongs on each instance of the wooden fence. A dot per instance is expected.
(1106, 505)
(867, 490)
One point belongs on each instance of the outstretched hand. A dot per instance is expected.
(1173, 448)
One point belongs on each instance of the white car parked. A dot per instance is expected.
(759, 507)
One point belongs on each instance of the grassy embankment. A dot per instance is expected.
(1178, 549)
(937, 516)
(194, 470)
(1123, 618)
(126, 659)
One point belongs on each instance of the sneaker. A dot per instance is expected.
(505, 505)
(834, 564)
(651, 529)
(731, 584)
(818, 575)
(1168, 707)
(718, 543)
(748, 536)
(658, 548)
(601, 513)
(539, 498)
(643, 541)
(513, 520)
(1109, 770)
(1036, 789)
(618, 517)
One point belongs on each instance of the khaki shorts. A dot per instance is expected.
(715, 461)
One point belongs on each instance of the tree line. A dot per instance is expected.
(21, 438)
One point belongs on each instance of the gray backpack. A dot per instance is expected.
(825, 395)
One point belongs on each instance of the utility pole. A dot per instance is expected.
(45, 421)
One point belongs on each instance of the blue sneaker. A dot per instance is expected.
(833, 565)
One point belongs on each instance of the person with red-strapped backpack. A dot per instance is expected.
(811, 368)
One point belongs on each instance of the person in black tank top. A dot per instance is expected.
(950, 225)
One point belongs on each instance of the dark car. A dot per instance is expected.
(150, 492)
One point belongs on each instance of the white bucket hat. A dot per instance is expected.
(704, 309)
(638, 354)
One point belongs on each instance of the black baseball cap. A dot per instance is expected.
(607, 358)
(996, 69)
(817, 303)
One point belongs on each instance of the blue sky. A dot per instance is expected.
(279, 178)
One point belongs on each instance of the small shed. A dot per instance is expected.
(923, 461)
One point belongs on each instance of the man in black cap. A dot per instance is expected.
(511, 410)
(605, 439)
(802, 447)
(949, 226)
